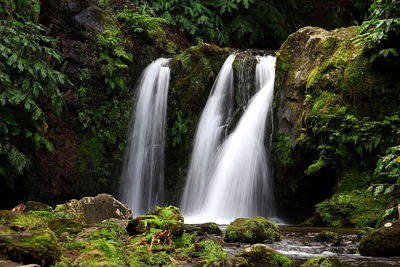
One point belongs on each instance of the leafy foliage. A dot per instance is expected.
(380, 34)
(344, 137)
(28, 84)
(388, 166)
(243, 22)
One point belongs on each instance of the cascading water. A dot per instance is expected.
(209, 136)
(240, 184)
(143, 170)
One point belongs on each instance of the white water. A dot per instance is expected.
(143, 171)
(209, 136)
(240, 184)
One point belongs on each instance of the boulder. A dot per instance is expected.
(203, 229)
(210, 228)
(322, 262)
(39, 247)
(230, 261)
(90, 210)
(37, 206)
(164, 218)
(262, 255)
(328, 236)
(384, 242)
(254, 230)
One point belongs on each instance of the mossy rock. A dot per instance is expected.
(262, 255)
(384, 242)
(164, 218)
(328, 236)
(40, 246)
(230, 261)
(37, 206)
(210, 228)
(94, 209)
(322, 262)
(254, 230)
(21, 222)
(208, 249)
(348, 209)
(63, 225)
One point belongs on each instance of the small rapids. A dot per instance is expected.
(299, 245)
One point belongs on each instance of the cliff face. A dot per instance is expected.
(335, 112)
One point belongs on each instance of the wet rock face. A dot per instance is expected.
(95, 209)
(384, 242)
(254, 230)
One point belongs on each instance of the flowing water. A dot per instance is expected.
(298, 244)
(143, 171)
(209, 135)
(240, 184)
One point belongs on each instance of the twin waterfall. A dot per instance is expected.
(229, 175)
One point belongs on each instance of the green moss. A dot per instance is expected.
(257, 229)
(100, 252)
(61, 225)
(260, 255)
(355, 208)
(160, 219)
(20, 221)
(208, 249)
(281, 150)
(328, 236)
(109, 231)
(322, 262)
(34, 247)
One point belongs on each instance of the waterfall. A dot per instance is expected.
(240, 183)
(209, 135)
(142, 186)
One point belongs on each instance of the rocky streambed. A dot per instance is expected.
(300, 245)
(100, 231)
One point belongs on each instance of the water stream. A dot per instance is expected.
(142, 177)
(298, 244)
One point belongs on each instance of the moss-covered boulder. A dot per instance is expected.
(210, 228)
(328, 236)
(95, 209)
(384, 242)
(208, 249)
(231, 261)
(254, 230)
(27, 238)
(21, 222)
(348, 209)
(40, 246)
(37, 206)
(163, 218)
(262, 255)
(322, 262)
